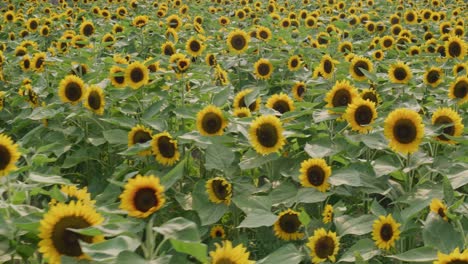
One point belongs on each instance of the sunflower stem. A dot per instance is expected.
(149, 239)
(156, 252)
(409, 176)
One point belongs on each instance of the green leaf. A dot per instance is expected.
(422, 254)
(173, 175)
(218, 157)
(47, 179)
(253, 160)
(208, 212)
(385, 165)
(440, 234)
(257, 218)
(449, 194)
(109, 249)
(377, 209)
(196, 249)
(365, 248)
(459, 179)
(130, 257)
(249, 203)
(311, 195)
(323, 115)
(179, 228)
(286, 254)
(346, 225)
(116, 136)
(284, 194)
(346, 176)
(304, 217)
(135, 149)
(222, 96)
(320, 148)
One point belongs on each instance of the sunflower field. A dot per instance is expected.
(233, 131)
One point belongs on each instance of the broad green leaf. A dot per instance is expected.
(385, 165)
(257, 218)
(137, 148)
(365, 248)
(459, 179)
(173, 175)
(377, 209)
(311, 195)
(346, 176)
(208, 211)
(252, 202)
(253, 160)
(116, 136)
(346, 225)
(47, 179)
(218, 157)
(449, 194)
(109, 249)
(320, 148)
(422, 254)
(439, 234)
(284, 194)
(130, 257)
(196, 249)
(286, 254)
(179, 228)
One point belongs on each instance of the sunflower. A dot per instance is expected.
(165, 149)
(358, 63)
(263, 69)
(140, 21)
(341, 94)
(385, 231)
(433, 76)
(194, 47)
(386, 42)
(287, 226)
(94, 99)
(238, 41)
(281, 103)
(455, 257)
(264, 33)
(240, 101)
(79, 41)
(182, 65)
(87, 28)
(399, 73)
(242, 112)
(360, 115)
(452, 122)
(315, 173)
(266, 134)
(294, 63)
(459, 68)
(371, 95)
(108, 40)
(56, 238)
(327, 214)
(455, 47)
(210, 121)
(140, 134)
(230, 255)
(71, 89)
(323, 246)
(32, 24)
(405, 130)
(327, 66)
(411, 17)
(38, 61)
(298, 90)
(117, 76)
(142, 196)
(2, 100)
(223, 21)
(210, 60)
(25, 63)
(439, 208)
(9, 16)
(9, 155)
(174, 21)
(219, 190)
(217, 231)
(136, 75)
(459, 90)
(345, 47)
(378, 55)
(76, 194)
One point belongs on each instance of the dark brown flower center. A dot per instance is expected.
(94, 100)
(141, 136)
(357, 67)
(66, 241)
(449, 128)
(457, 261)
(441, 212)
(218, 233)
(342, 97)
(145, 199)
(263, 34)
(220, 189)
(400, 73)
(225, 261)
(454, 49)
(387, 43)
(327, 66)
(281, 106)
(410, 17)
(211, 123)
(404, 131)
(27, 63)
(238, 42)
(324, 247)
(289, 223)
(263, 69)
(315, 175)
(267, 135)
(300, 90)
(386, 232)
(168, 50)
(39, 62)
(461, 89)
(88, 30)
(294, 63)
(5, 157)
(433, 76)
(73, 91)
(194, 46)
(174, 23)
(136, 75)
(33, 25)
(363, 115)
(119, 79)
(371, 97)
(166, 147)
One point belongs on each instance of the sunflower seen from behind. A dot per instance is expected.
(71, 89)
(459, 90)
(136, 75)
(361, 114)
(227, 254)
(266, 134)
(57, 240)
(450, 121)
(9, 155)
(323, 246)
(165, 149)
(94, 99)
(385, 231)
(281, 103)
(455, 257)
(287, 226)
(315, 173)
(404, 129)
(400, 73)
(142, 196)
(263, 69)
(219, 190)
(439, 208)
(139, 135)
(238, 41)
(211, 121)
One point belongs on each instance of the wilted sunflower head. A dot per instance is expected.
(219, 190)
(165, 148)
(451, 123)
(266, 134)
(238, 41)
(287, 225)
(400, 73)
(282, 103)
(142, 196)
(405, 130)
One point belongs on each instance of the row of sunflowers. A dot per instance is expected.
(233, 131)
